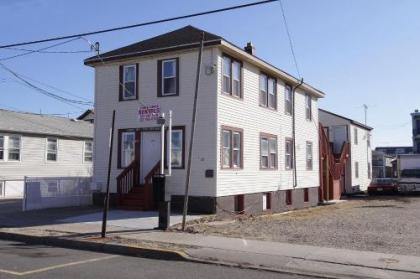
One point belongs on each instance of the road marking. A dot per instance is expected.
(16, 273)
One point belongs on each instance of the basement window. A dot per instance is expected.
(239, 204)
(266, 201)
(288, 197)
(306, 195)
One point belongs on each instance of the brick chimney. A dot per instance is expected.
(250, 48)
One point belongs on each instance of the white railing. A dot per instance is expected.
(53, 192)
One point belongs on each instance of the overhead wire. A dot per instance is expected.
(140, 24)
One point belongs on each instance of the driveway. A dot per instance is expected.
(382, 224)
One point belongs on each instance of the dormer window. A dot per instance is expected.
(168, 79)
(128, 82)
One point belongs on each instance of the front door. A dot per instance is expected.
(149, 153)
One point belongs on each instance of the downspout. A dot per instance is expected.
(294, 132)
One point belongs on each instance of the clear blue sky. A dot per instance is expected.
(356, 51)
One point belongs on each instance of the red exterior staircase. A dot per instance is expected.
(132, 194)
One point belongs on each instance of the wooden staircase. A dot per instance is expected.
(133, 195)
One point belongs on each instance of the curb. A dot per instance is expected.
(110, 248)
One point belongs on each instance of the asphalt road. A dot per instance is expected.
(20, 260)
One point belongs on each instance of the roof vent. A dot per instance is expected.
(250, 48)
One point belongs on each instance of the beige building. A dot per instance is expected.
(243, 155)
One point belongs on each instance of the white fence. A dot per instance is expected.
(53, 192)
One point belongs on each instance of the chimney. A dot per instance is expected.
(250, 48)
(416, 111)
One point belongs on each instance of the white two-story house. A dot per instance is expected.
(245, 158)
(37, 145)
(340, 129)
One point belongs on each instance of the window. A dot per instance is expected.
(88, 151)
(14, 148)
(356, 169)
(169, 77)
(1, 148)
(308, 106)
(288, 106)
(2, 188)
(127, 143)
(356, 137)
(266, 201)
(268, 151)
(369, 170)
(231, 80)
(309, 156)
(177, 154)
(306, 195)
(288, 197)
(231, 148)
(268, 94)
(418, 126)
(128, 85)
(289, 154)
(51, 149)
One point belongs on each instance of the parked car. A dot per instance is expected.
(382, 186)
(409, 181)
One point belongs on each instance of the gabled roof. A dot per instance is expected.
(354, 122)
(189, 37)
(183, 38)
(39, 124)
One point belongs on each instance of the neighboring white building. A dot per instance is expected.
(40, 145)
(243, 147)
(340, 129)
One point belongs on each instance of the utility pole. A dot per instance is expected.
(106, 201)
(187, 183)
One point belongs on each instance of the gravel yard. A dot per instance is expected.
(380, 224)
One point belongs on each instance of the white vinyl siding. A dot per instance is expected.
(129, 82)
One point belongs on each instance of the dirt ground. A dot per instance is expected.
(381, 224)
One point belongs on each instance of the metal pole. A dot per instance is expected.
(106, 202)
(170, 143)
(162, 149)
(197, 82)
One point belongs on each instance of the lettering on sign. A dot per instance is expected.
(149, 113)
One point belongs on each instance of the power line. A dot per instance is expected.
(290, 39)
(140, 24)
(46, 51)
(37, 50)
(71, 102)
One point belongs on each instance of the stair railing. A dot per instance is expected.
(128, 178)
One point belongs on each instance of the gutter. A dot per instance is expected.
(294, 131)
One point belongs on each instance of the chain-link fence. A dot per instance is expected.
(53, 192)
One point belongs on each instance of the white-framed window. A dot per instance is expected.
(88, 151)
(177, 154)
(308, 106)
(309, 155)
(2, 148)
(272, 96)
(356, 136)
(52, 149)
(289, 156)
(169, 77)
(14, 146)
(263, 90)
(288, 96)
(128, 140)
(231, 76)
(231, 148)
(268, 151)
(129, 82)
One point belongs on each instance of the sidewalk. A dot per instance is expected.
(273, 256)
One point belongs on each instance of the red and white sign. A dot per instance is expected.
(149, 113)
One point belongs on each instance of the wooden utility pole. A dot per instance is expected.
(188, 180)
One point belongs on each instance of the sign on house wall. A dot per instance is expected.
(149, 113)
